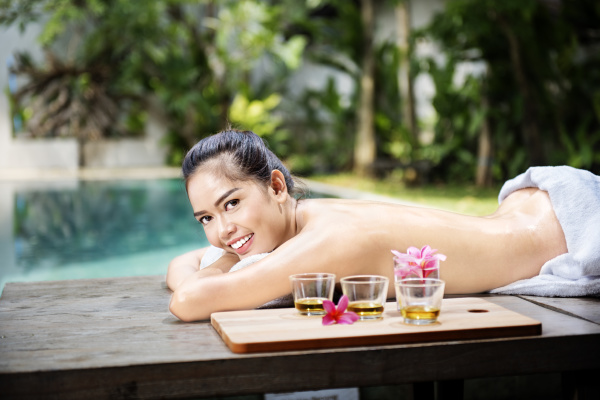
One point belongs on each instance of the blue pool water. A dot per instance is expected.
(93, 229)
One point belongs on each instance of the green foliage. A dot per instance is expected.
(322, 120)
(182, 58)
(258, 116)
(542, 81)
(326, 136)
(202, 64)
(462, 198)
(394, 140)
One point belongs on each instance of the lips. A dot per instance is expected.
(238, 245)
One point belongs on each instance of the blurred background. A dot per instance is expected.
(434, 101)
(429, 90)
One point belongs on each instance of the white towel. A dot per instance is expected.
(214, 253)
(248, 261)
(575, 197)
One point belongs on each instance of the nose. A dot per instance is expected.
(226, 228)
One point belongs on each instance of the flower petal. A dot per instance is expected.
(328, 319)
(430, 264)
(413, 251)
(348, 318)
(342, 304)
(397, 253)
(329, 306)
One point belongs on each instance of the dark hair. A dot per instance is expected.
(241, 155)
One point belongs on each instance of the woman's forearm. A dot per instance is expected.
(183, 266)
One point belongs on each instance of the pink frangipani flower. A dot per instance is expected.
(339, 315)
(421, 262)
(411, 269)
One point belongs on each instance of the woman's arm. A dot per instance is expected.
(263, 281)
(183, 266)
(187, 265)
(205, 292)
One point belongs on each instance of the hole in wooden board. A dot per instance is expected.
(478, 311)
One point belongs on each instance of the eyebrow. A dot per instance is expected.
(219, 200)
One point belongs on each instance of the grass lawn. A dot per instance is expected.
(464, 199)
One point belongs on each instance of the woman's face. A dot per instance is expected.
(238, 216)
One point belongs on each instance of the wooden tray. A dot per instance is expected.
(284, 329)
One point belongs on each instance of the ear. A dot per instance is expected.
(278, 185)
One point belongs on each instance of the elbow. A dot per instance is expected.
(173, 278)
(181, 307)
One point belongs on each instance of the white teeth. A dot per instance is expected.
(241, 242)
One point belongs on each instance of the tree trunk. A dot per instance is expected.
(404, 82)
(483, 177)
(218, 68)
(364, 148)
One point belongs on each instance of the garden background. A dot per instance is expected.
(512, 83)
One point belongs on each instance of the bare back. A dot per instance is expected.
(483, 252)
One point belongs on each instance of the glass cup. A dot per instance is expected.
(366, 295)
(420, 300)
(404, 269)
(309, 291)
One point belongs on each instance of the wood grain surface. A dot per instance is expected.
(115, 338)
(284, 329)
(587, 308)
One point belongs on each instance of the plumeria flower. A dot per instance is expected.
(411, 269)
(339, 315)
(421, 262)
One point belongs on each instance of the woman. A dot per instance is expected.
(244, 197)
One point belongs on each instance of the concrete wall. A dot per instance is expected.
(23, 153)
(139, 152)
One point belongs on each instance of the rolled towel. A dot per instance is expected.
(575, 197)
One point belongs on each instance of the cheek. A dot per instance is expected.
(212, 236)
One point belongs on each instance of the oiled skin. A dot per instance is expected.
(348, 237)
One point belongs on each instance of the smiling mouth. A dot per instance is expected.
(241, 242)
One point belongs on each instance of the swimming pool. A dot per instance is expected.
(93, 229)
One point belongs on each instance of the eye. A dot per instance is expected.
(231, 204)
(204, 220)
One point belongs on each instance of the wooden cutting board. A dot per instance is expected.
(284, 329)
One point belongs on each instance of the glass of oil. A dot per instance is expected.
(309, 291)
(366, 295)
(420, 300)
